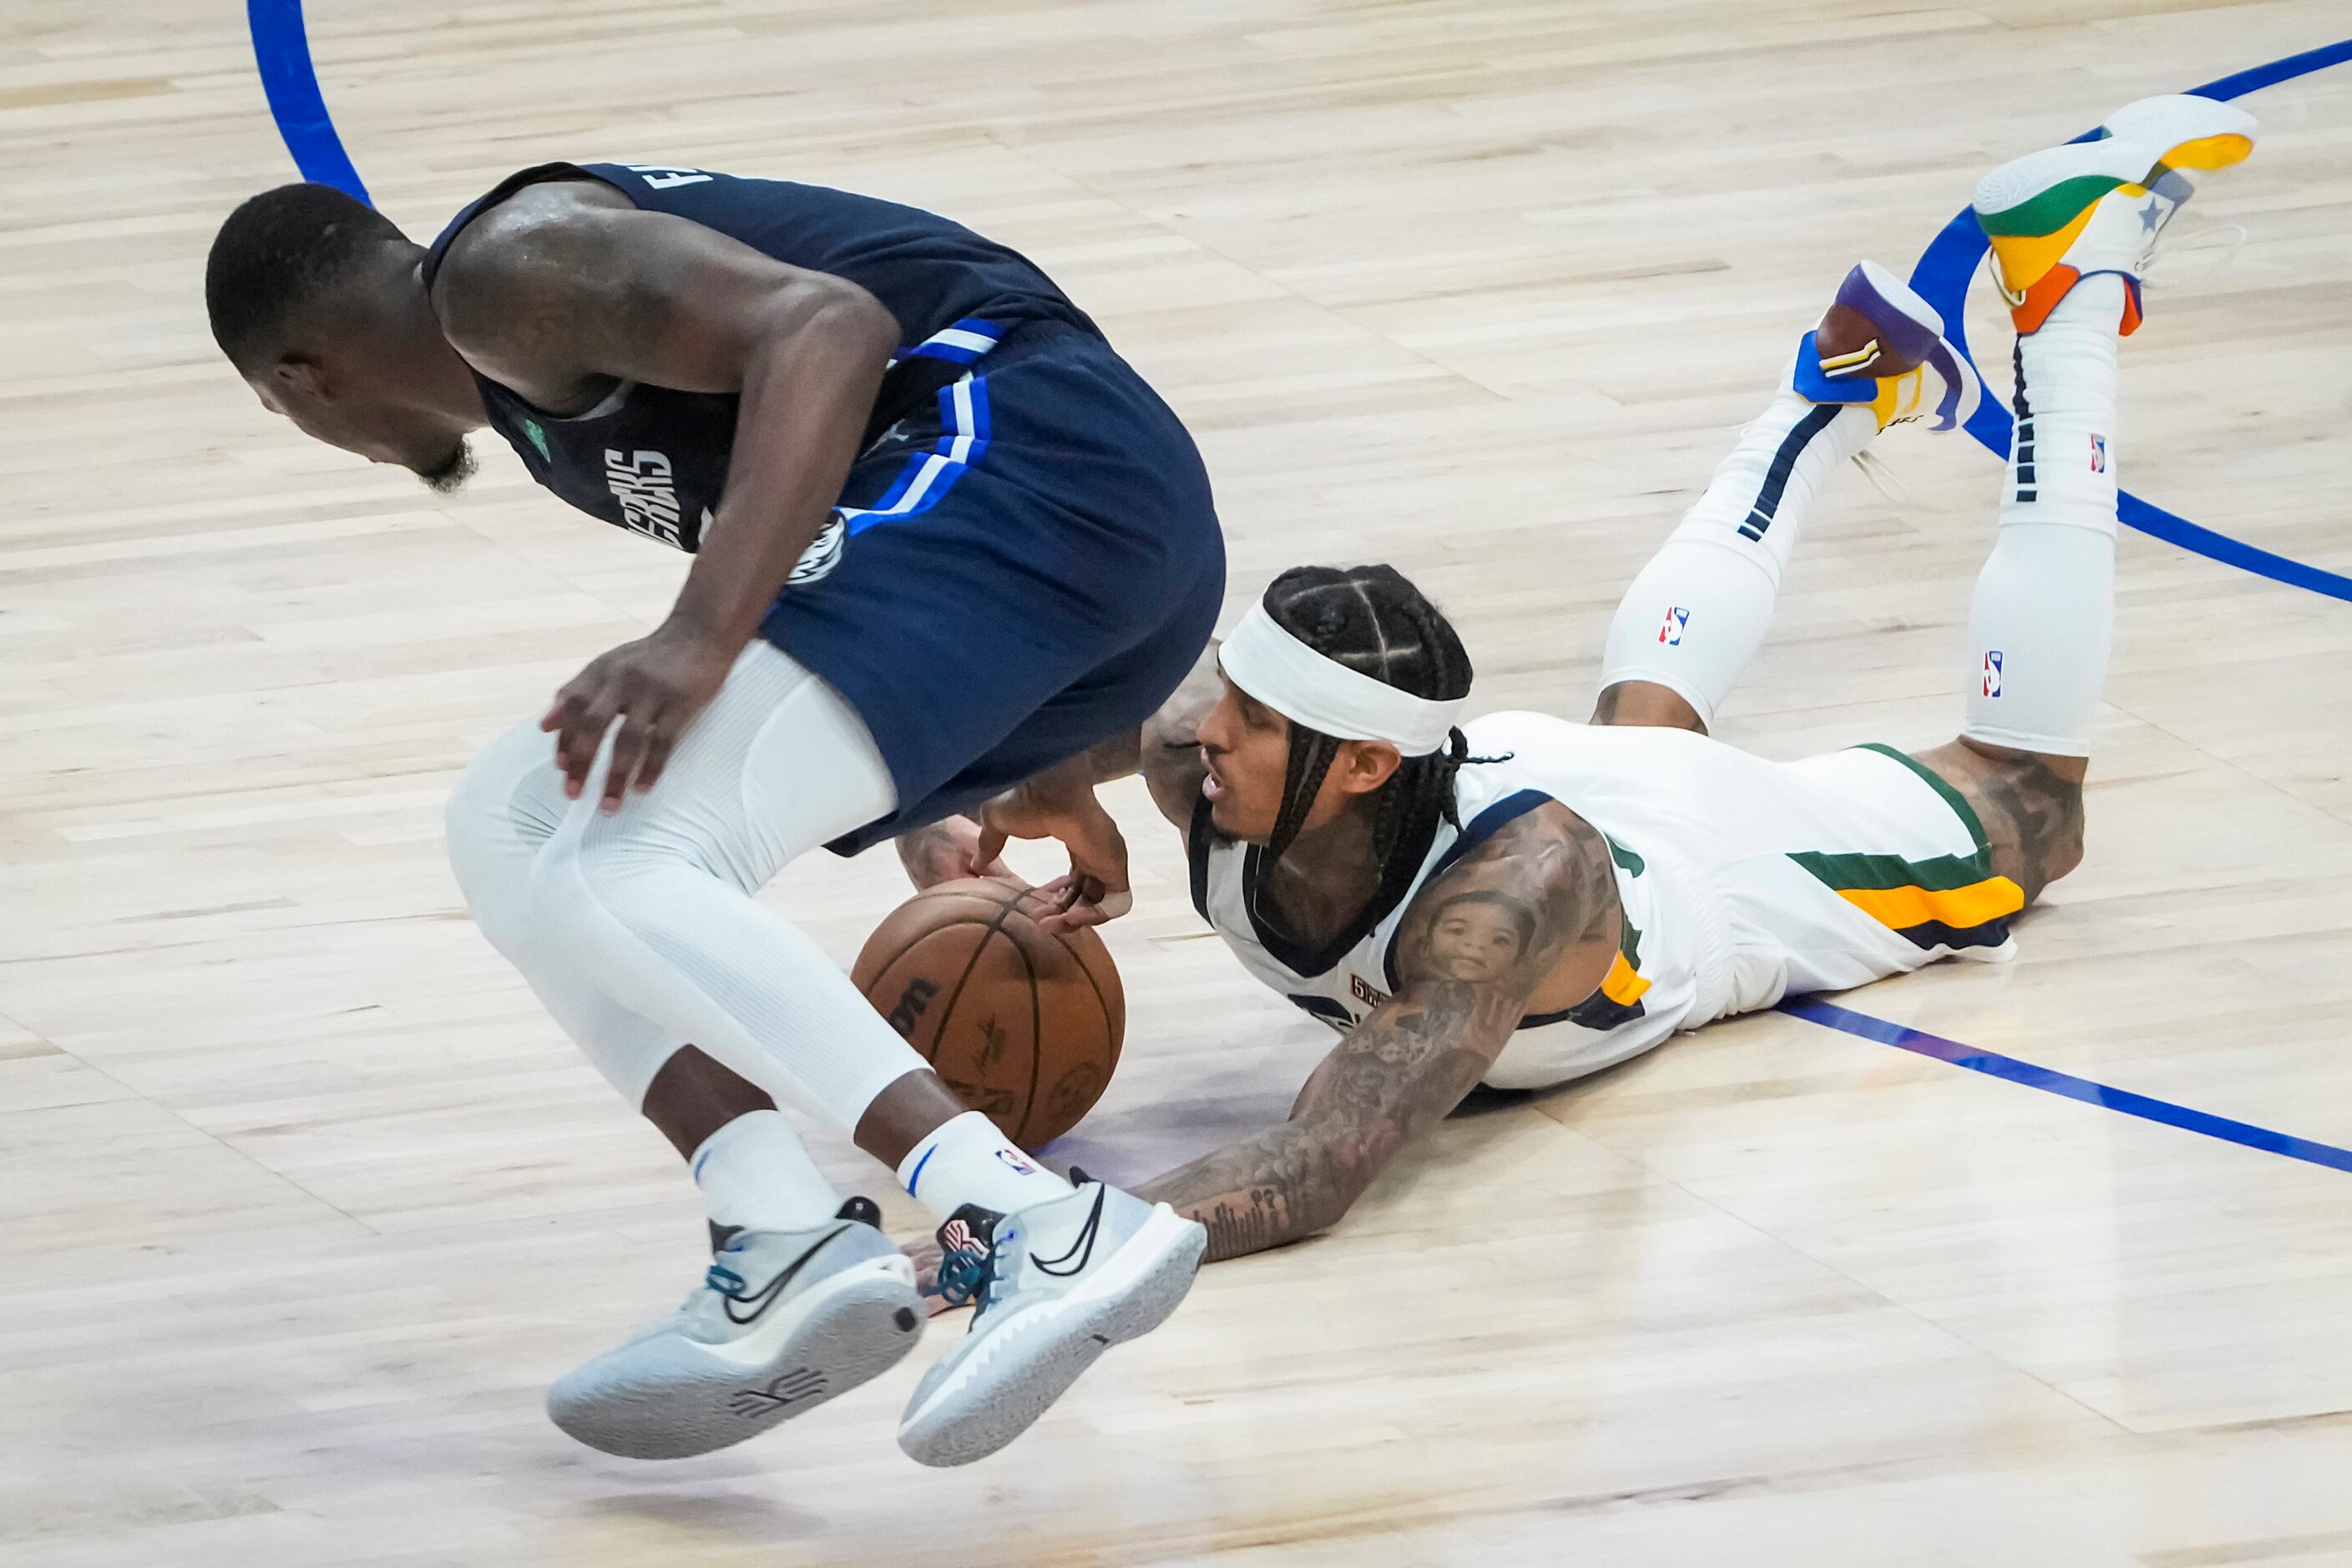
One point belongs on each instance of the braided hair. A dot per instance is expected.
(1373, 621)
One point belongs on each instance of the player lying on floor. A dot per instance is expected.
(1521, 901)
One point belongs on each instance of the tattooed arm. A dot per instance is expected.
(1536, 902)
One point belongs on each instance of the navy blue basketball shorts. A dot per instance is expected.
(1024, 564)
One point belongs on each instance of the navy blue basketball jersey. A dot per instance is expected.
(654, 459)
(1025, 558)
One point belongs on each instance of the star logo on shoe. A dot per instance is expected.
(757, 1302)
(2151, 216)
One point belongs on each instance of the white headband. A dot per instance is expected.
(1306, 688)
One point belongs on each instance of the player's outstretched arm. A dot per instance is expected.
(557, 293)
(1547, 880)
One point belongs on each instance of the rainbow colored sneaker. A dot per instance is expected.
(2065, 213)
(1880, 343)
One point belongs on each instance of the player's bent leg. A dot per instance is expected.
(504, 810)
(2072, 230)
(1697, 611)
(806, 1297)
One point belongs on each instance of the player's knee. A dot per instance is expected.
(496, 824)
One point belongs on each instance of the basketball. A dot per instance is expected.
(1023, 1024)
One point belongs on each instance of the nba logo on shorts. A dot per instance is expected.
(2098, 454)
(1992, 674)
(1671, 634)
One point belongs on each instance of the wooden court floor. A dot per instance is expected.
(303, 1201)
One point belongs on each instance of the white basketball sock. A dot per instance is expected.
(1698, 611)
(754, 1174)
(2042, 622)
(967, 1159)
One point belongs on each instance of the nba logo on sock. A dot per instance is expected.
(2098, 454)
(1013, 1158)
(1671, 634)
(1992, 674)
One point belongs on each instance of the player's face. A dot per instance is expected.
(1473, 942)
(1246, 746)
(346, 414)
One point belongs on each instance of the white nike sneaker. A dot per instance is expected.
(1053, 1286)
(783, 1322)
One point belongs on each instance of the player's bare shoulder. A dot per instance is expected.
(1531, 909)
(1172, 767)
(519, 281)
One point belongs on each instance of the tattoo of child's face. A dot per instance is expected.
(1474, 938)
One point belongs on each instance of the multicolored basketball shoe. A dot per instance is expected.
(2065, 213)
(1882, 344)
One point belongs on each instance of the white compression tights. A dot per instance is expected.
(639, 929)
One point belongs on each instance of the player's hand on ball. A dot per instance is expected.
(654, 686)
(1096, 889)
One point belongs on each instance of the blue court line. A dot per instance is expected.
(281, 52)
(1994, 1065)
(1951, 262)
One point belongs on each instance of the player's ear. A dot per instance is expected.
(1362, 766)
(300, 378)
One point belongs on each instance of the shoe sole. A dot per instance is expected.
(2177, 133)
(848, 1329)
(1033, 1359)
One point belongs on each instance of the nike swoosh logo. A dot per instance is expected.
(1082, 1249)
(762, 1298)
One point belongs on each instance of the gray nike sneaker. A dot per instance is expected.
(784, 1320)
(1053, 1286)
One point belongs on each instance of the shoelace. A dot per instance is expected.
(968, 1275)
(1882, 478)
(2196, 240)
(724, 1280)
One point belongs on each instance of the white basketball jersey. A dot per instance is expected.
(1742, 880)
(1600, 775)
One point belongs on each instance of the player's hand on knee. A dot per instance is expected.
(654, 686)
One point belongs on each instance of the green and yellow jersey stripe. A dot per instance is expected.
(1946, 900)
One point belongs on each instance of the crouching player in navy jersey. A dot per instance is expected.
(945, 540)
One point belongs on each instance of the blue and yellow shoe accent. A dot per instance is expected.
(2064, 214)
(1880, 343)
